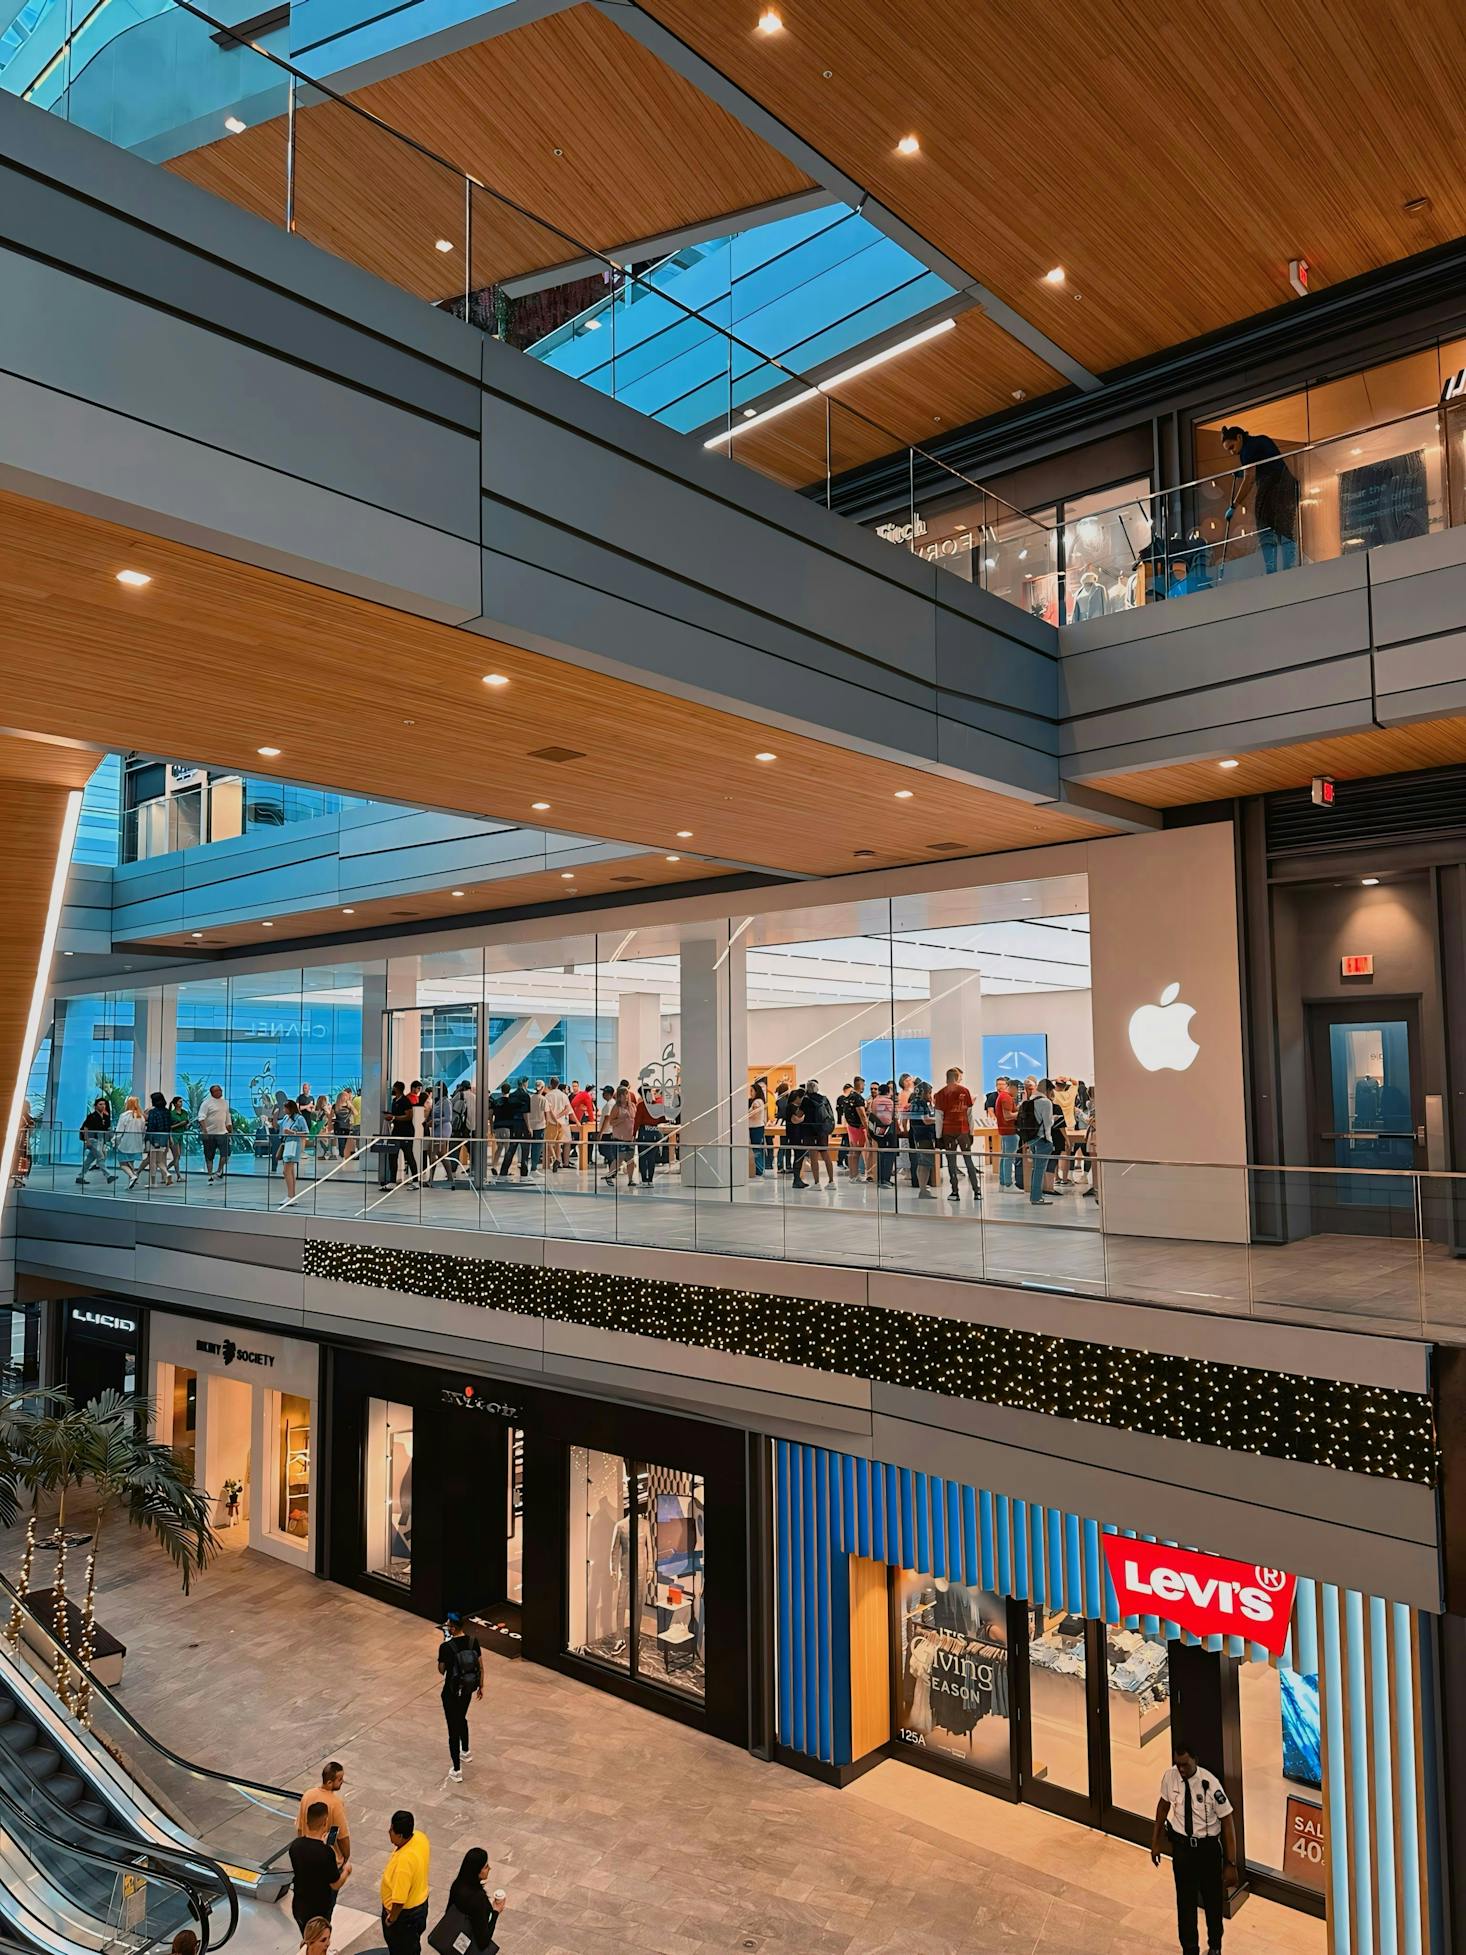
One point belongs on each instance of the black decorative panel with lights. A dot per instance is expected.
(1358, 1428)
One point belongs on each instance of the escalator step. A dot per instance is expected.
(92, 1813)
(7, 1707)
(66, 1788)
(19, 1735)
(40, 1762)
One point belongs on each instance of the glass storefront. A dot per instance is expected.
(293, 1507)
(954, 1684)
(636, 1569)
(1282, 1771)
(1139, 1703)
(389, 1491)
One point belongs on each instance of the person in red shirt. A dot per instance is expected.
(1005, 1113)
(954, 1103)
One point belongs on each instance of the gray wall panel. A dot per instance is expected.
(1300, 695)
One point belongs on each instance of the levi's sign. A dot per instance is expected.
(1201, 1592)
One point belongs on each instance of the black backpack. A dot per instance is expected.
(1027, 1121)
(465, 1663)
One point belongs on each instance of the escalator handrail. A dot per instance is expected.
(178, 1857)
(23, 1822)
(244, 1785)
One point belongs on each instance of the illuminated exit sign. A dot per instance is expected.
(1356, 966)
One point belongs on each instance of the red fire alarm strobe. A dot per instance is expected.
(1323, 790)
(1298, 276)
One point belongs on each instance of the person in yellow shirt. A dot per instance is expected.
(405, 1886)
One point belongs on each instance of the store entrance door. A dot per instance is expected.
(483, 1476)
(1061, 1759)
(1366, 1110)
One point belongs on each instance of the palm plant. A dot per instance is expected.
(103, 1447)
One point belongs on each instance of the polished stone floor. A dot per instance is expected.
(1380, 1277)
(614, 1831)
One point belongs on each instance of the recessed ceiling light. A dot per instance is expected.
(1054, 277)
(134, 579)
(673, 858)
(989, 563)
(456, 892)
(1229, 763)
(268, 753)
(903, 794)
(348, 912)
(567, 875)
(766, 756)
(197, 933)
(233, 124)
(592, 325)
(1369, 881)
(908, 146)
(495, 679)
(442, 244)
(1023, 556)
(265, 925)
(68, 953)
(769, 22)
(1356, 451)
(684, 834)
(749, 412)
(540, 807)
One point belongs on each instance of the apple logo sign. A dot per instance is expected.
(1159, 1034)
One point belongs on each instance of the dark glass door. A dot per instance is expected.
(1366, 1112)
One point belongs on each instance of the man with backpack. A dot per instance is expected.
(461, 1666)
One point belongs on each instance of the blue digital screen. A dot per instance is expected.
(1014, 1054)
(911, 1056)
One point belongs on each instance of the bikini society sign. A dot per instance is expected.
(1204, 1593)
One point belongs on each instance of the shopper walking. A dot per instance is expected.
(157, 1137)
(557, 1120)
(178, 1122)
(1027, 1126)
(921, 1124)
(882, 1130)
(471, 1916)
(758, 1123)
(398, 1136)
(404, 1889)
(343, 1123)
(215, 1123)
(461, 1666)
(953, 1103)
(819, 1127)
(1193, 1821)
(328, 1794)
(317, 1875)
(315, 1937)
(129, 1139)
(618, 1132)
(96, 1130)
(855, 1130)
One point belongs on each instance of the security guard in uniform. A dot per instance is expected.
(1194, 1817)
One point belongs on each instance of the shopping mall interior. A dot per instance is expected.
(736, 877)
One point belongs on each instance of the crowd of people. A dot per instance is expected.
(871, 1132)
(1044, 1128)
(320, 1853)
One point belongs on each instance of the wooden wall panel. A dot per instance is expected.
(31, 819)
(870, 1657)
(1349, 756)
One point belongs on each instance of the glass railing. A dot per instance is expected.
(220, 810)
(1312, 503)
(1248, 1240)
(248, 1824)
(178, 88)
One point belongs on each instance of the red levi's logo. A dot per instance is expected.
(1201, 1592)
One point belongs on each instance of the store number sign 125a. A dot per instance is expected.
(1201, 1592)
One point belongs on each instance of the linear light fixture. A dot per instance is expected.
(835, 380)
(71, 815)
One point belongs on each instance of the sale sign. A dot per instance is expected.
(1305, 1843)
(1201, 1592)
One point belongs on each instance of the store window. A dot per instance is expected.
(636, 1568)
(954, 1677)
(389, 1491)
(1139, 1717)
(185, 1429)
(1282, 1774)
(20, 1346)
(1059, 1702)
(295, 1466)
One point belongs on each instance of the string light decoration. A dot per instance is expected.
(1316, 1421)
(23, 1586)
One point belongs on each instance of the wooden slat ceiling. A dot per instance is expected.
(1348, 756)
(1171, 159)
(215, 659)
(568, 116)
(634, 875)
(31, 816)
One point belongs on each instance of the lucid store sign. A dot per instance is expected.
(113, 1324)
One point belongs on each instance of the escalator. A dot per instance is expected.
(225, 1836)
(112, 1897)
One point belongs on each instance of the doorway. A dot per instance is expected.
(1366, 1111)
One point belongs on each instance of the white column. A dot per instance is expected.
(955, 1018)
(713, 1035)
(638, 1033)
(155, 1043)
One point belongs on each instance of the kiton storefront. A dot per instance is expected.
(239, 1405)
(1023, 1650)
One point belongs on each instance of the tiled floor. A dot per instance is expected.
(615, 1831)
(1354, 1281)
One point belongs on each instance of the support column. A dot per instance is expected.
(155, 1044)
(714, 1054)
(384, 988)
(956, 1026)
(638, 1033)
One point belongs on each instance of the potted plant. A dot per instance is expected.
(232, 1492)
